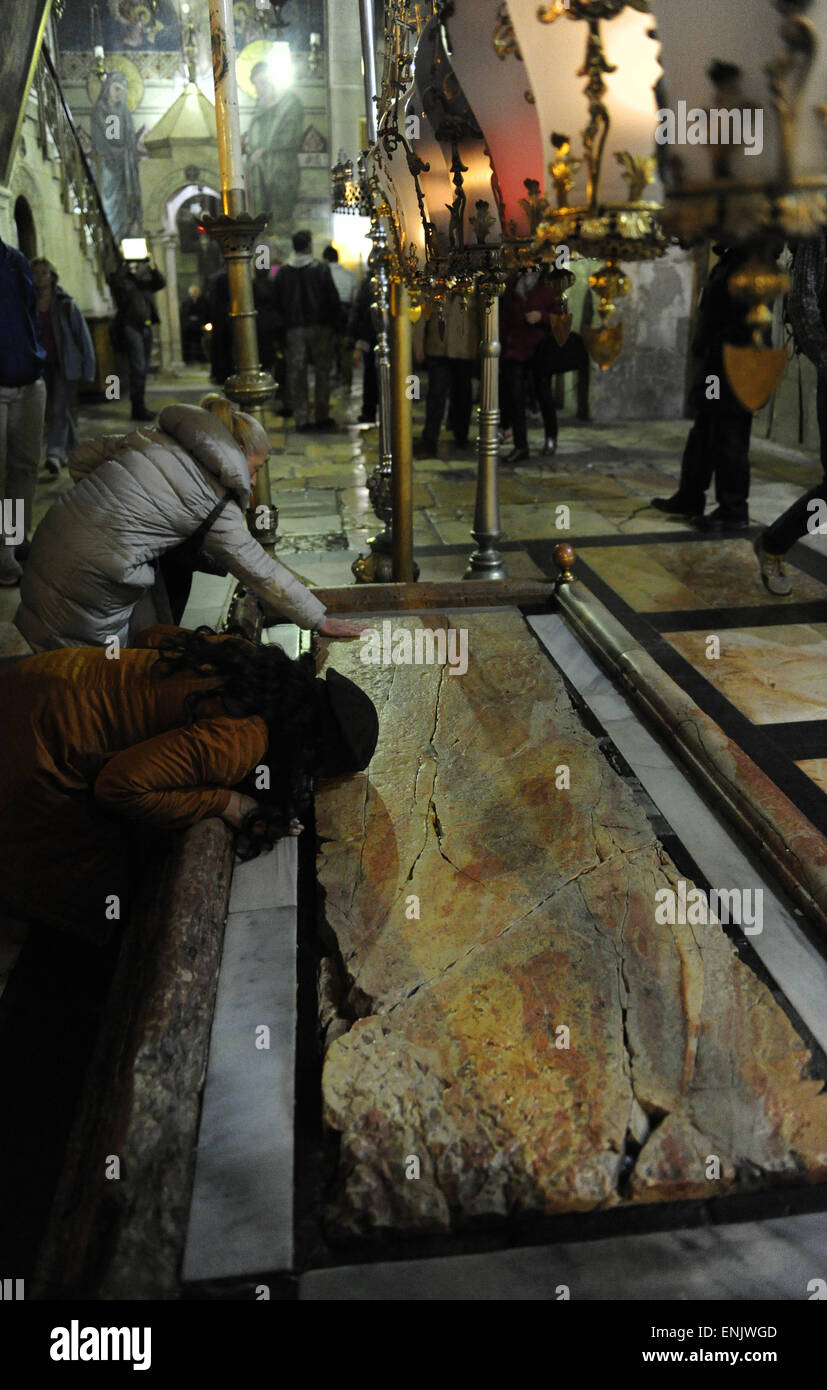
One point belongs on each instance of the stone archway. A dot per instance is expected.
(168, 242)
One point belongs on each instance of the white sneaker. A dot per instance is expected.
(773, 570)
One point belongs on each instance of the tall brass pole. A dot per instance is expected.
(401, 437)
(368, 65)
(486, 561)
(236, 231)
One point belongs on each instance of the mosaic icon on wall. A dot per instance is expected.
(119, 24)
(271, 140)
(116, 145)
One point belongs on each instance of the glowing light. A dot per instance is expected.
(280, 64)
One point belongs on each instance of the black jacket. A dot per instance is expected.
(304, 295)
(133, 292)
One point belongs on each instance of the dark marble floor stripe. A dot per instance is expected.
(804, 738)
(771, 614)
(774, 761)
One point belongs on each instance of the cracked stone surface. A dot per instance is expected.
(532, 1041)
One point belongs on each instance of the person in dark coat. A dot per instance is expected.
(308, 308)
(22, 406)
(195, 312)
(221, 338)
(361, 332)
(718, 443)
(807, 313)
(70, 357)
(531, 303)
(133, 287)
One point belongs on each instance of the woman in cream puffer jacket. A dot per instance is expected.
(138, 496)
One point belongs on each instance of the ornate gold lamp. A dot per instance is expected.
(598, 118)
(743, 149)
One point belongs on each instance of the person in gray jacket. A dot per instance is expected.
(70, 358)
(138, 497)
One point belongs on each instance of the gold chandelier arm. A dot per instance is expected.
(596, 132)
(788, 75)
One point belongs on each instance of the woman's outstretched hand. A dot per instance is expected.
(339, 627)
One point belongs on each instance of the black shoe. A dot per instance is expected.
(366, 420)
(677, 506)
(307, 428)
(140, 412)
(517, 456)
(718, 523)
(549, 449)
(327, 424)
(424, 450)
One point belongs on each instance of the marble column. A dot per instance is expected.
(346, 101)
(171, 354)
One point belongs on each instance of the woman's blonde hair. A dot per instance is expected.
(249, 435)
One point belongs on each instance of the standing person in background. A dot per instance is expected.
(530, 306)
(718, 443)
(449, 345)
(194, 314)
(221, 338)
(22, 407)
(133, 287)
(361, 332)
(308, 309)
(807, 313)
(346, 285)
(70, 357)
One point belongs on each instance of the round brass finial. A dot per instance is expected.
(564, 558)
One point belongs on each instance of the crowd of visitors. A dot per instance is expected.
(172, 731)
(314, 313)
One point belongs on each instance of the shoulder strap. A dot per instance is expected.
(197, 536)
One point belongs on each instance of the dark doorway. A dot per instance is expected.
(26, 231)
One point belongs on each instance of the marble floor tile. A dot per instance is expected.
(241, 1214)
(639, 578)
(271, 880)
(320, 524)
(775, 675)
(208, 599)
(768, 1261)
(816, 769)
(798, 967)
(284, 635)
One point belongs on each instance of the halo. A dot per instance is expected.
(118, 62)
(256, 52)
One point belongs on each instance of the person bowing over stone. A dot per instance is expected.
(100, 755)
(91, 573)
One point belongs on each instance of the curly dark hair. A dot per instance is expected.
(252, 679)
